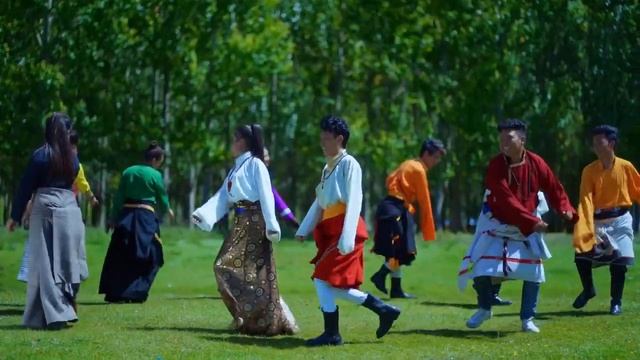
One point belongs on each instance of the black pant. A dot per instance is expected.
(617, 272)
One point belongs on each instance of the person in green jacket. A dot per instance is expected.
(135, 252)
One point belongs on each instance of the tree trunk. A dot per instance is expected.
(7, 209)
(102, 188)
(166, 119)
(46, 31)
(193, 186)
(456, 206)
(439, 208)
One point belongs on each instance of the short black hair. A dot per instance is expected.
(610, 132)
(337, 126)
(432, 146)
(513, 124)
(154, 151)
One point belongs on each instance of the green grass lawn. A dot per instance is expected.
(184, 317)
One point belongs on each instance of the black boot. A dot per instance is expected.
(57, 325)
(387, 314)
(331, 335)
(617, 287)
(586, 278)
(616, 309)
(379, 279)
(396, 290)
(497, 300)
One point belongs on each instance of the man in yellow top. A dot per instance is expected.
(604, 232)
(395, 229)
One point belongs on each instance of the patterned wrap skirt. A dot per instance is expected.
(246, 274)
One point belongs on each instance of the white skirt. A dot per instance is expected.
(614, 242)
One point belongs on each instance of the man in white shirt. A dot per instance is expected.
(340, 232)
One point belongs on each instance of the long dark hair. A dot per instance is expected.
(56, 134)
(252, 135)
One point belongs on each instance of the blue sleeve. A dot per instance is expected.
(28, 184)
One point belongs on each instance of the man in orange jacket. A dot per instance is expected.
(395, 230)
(604, 232)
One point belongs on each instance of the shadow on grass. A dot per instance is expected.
(195, 330)
(554, 314)
(364, 342)
(218, 335)
(458, 305)
(12, 305)
(460, 334)
(12, 327)
(92, 303)
(104, 303)
(15, 327)
(201, 297)
(10, 312)
(271, 342)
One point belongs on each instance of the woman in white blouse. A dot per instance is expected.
(339, 232)
(244, 268)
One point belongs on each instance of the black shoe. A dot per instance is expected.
(331, 335)
(583, 299)
(113, 299)
(57, 325)
(386, 313)
(498, 301)
(615, 309)
(379, 279)
(123, 300)
(396, 290)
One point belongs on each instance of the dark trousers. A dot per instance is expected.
(618, 275)
(530, 290)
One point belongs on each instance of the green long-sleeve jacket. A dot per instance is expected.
(141, 182)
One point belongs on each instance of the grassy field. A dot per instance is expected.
(184, 317)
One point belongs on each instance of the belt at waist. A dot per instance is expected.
(602, 214)
(244, 206)
(140, 206)
(334, 210)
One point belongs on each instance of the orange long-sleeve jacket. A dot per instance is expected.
(409, 183)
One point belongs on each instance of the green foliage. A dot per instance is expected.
(187, 72)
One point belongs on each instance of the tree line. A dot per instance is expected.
(187, 72)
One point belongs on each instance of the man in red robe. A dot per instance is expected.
(513, 180)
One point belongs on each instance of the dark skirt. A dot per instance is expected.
(246, 274)
(598, 258)
(134, 257)
(395, 236)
